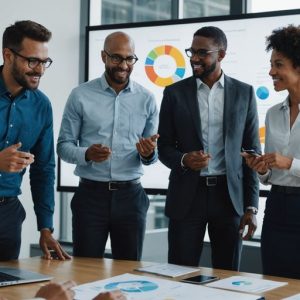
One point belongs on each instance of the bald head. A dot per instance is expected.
(118, 39)
(119, 58)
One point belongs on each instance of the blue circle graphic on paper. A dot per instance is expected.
(241, 282)
(262, 93)
(132, 286)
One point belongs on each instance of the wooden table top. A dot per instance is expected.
(83, 270)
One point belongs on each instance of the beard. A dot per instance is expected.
(23, 80)
(113, 76)
(206, 71)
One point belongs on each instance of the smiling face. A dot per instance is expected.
(208, 67)
(285, 76)
(21, 74)
(118, 74)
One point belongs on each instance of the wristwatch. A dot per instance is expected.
(253, 209)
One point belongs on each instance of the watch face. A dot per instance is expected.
(253, 210)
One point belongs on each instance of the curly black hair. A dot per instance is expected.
(286, 40)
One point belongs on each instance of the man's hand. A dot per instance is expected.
(146, 146)
(196, 160)
(97, 153)
(12, 160)
(248, 219)
(48, 242)
(56, 291)
(114, 295)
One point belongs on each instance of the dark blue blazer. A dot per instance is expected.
(180, 132)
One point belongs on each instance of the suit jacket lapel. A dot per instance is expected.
(192, 102)
(229, 105)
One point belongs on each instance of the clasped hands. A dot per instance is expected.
(99, 152)
(196, 160)
(263, 163)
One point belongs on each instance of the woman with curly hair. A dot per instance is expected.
(280, 165)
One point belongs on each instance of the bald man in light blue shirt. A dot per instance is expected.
(109, 130)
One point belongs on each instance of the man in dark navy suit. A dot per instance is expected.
(205, 120)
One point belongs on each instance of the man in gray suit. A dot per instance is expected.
(205, 120)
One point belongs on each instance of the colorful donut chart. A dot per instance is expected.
(165, 50)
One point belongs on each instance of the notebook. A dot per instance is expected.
(11, 276)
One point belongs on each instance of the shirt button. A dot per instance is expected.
(7, 142)
(11, 125)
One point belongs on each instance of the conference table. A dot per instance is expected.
(84, 270)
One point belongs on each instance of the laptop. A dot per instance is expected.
(11, 276)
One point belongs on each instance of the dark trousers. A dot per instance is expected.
(98, 212)
(12, 215)
(280, 240)
(212, 208)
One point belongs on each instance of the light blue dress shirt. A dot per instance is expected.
(211, 107)
(96, 114)
(282, 139)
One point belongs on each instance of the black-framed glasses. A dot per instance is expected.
(33, 62)
(118, 59)
(190, 52)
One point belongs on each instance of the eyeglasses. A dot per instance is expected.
(33, 62)
(190, 52)
(118, 59)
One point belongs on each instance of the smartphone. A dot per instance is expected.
(250, 151)
(200, 279)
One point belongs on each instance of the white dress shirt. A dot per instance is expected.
(211, 107)
(282, 139)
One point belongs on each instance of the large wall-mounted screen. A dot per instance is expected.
(162, 61)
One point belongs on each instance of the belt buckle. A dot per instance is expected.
(2, 199)
(112, 186)
(211, 181)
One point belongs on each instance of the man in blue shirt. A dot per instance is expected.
(26, 138)
(109, 130)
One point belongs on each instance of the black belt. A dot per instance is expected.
(6, 199)
(212, 180)
(110, 185)
(286, 189)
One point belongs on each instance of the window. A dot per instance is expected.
(128, 11)
(204, 8)
(270, 5)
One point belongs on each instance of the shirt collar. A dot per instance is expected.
(220, 82)
(285, 104)
(105, 85)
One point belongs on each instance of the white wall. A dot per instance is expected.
(62, 17)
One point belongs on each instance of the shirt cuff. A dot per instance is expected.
(295, 167)
(181, 161)
(81, 156)
(148, 161)
(263, 178)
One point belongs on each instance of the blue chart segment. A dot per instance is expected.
(262, 93)
(132, 286)
(238, 283)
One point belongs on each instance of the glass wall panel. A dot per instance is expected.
(204, 8)
(271, 5)
(127, 11)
